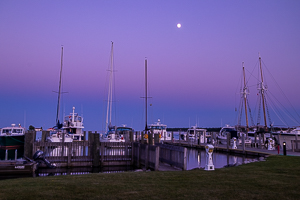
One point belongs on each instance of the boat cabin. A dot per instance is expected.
(13, 130)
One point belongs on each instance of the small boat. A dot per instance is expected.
(73, 126)
(116, 134)
(193, 133)
(12, 140)
(222, 136)
(161, 129)
(57, 136)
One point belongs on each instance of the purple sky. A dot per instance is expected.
(193, 72)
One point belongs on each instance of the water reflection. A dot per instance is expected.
(196, 159)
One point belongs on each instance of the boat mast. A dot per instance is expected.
(110, 89)
(262, 91)
(245, 99)
(58, 124)
(146, 96)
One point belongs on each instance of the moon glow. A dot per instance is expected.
(178, 25)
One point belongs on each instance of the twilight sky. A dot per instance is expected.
(194, 72)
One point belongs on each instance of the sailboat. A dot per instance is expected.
(265, 131)
(244, 103)
(112, 133)
(157, 128)
(57, 135)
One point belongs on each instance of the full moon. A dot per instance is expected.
(178, 25)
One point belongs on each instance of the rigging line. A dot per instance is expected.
(240, 112)
(236, 90)
(259, 110)
(251, 73)
(252, 122)
(266, 103)
(284, 110)
(277, 113)
(281, 90)
(239, 87)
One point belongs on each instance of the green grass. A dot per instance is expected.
(276, 178)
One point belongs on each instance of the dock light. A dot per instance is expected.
(284, 148)
(234, 143)
(209, 162)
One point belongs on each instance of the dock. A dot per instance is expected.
(151, 154)
(256, 151)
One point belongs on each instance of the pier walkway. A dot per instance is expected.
(247, 151)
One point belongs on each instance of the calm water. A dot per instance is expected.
(197, 159)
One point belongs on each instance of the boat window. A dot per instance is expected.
(17, 130)
(158, 127)
(6, 130)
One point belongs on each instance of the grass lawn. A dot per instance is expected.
(276, 178)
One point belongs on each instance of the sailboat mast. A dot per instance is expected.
(146, 96)
(110, 89)
(245, 98)
(262, 90)
(59, 90)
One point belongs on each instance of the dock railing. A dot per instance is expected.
(173, 155)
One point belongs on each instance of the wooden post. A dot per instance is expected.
(150, 137)
(131, 136)
(146, 156)
(142, 138)
(69, 146)
(91, 142)
(255, 140)
(243, 143)
(102, 152)
(228, 140)
(296, 138)
(84, 135)
(259, 141)
(187, 138)
(45, 134)
(137, 154)
(132, 152)
(96, 151)
(28, 145)
(63, 136)
(199, 138)
(172, 136)
(156, 138)
(156, 158)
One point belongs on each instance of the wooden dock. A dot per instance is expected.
(132, 154)
(247, 150)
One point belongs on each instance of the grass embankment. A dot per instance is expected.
(276, 178)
